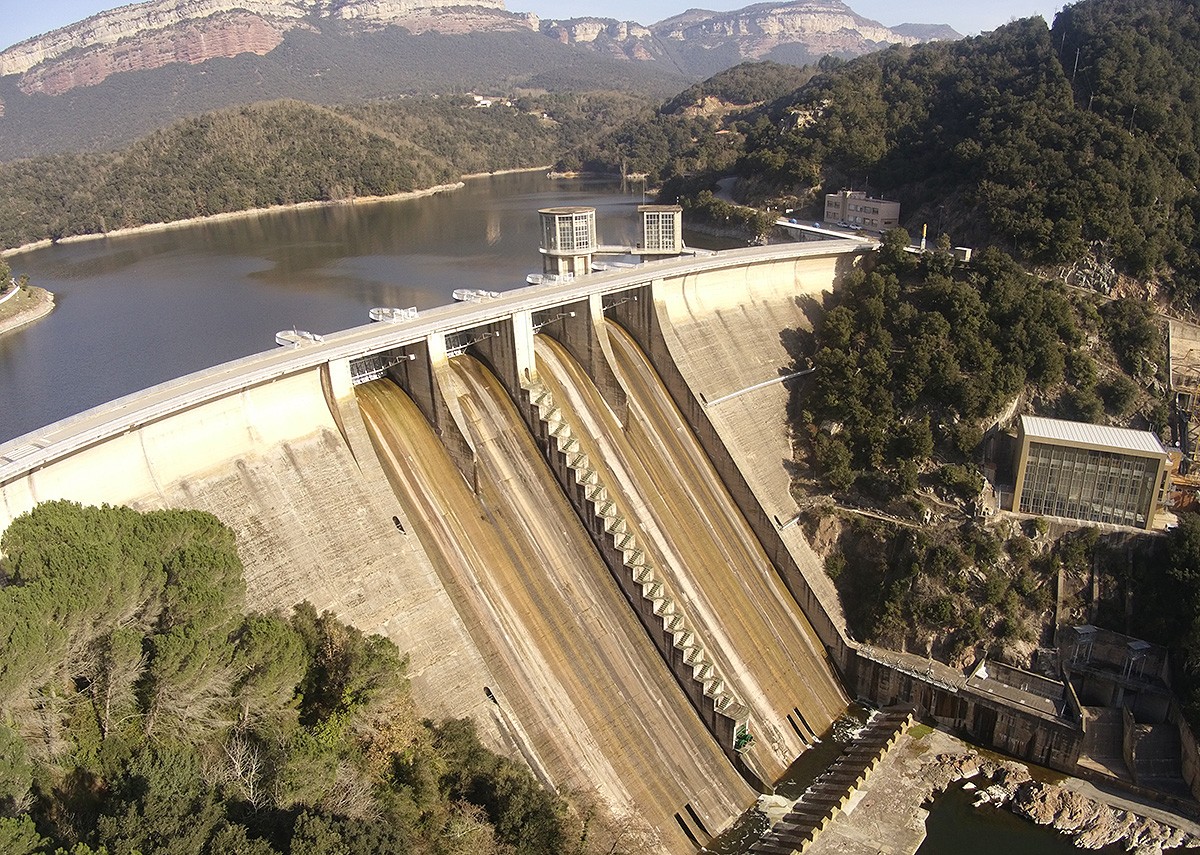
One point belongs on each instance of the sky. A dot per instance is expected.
(20, 19)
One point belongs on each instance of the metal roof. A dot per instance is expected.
(1083, 433)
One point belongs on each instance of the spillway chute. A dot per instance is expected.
(751, 642)
(585, 693)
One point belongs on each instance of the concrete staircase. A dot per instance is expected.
(697, 662)
(1157, 758)
(824, 799)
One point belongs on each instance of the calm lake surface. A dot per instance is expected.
(141, 309)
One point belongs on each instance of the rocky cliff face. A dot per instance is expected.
(790, 32)
(802, 29)
(819, 23)
(620, 38)
(131, 22)
(222, 35)
(149, 35)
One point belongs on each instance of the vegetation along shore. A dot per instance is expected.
(21, 304)
(26, 306)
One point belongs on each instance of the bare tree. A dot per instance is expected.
(121, 663)
(351, 795)
(242, 767)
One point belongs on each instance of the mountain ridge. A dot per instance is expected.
(701, 42)
(111, 26)
(159, 32)
(106, 80)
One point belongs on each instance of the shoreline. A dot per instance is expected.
(148, 228)
(43, 305)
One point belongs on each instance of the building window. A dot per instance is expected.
(583, 232)
(660, 231)
(1084, 484)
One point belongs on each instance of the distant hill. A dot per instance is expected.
(105, 81)
(285, 152)
(928, 32)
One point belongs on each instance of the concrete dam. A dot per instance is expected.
(569, 506)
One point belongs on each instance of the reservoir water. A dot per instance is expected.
(142, 309)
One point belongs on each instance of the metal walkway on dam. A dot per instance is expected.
(519, 494)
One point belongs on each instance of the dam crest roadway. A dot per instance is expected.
(531, 497)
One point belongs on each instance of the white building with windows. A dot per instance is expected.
(662, 229)
(568, 240)
(856, 208)
(1089, 472)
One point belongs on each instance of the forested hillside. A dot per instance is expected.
(970, 341)
(1053, 142)
(1046, 140)
(141, 710)
(333, 63)
(286, 152)
(914, 360)
(697, 131)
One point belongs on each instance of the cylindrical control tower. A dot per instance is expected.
(568, 240)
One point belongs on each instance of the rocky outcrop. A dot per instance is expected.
(390, 11)
(127, 22)
(691, 40)
(222, 35)
(143, 20)
(620, 38)
(466, 19)
(1094, 825)
(821, 26)
(1091, 823)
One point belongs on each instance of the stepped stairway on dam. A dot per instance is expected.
(582, 687)
(819, 805)
(581, 693)
(703, 550)
(673, 622)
